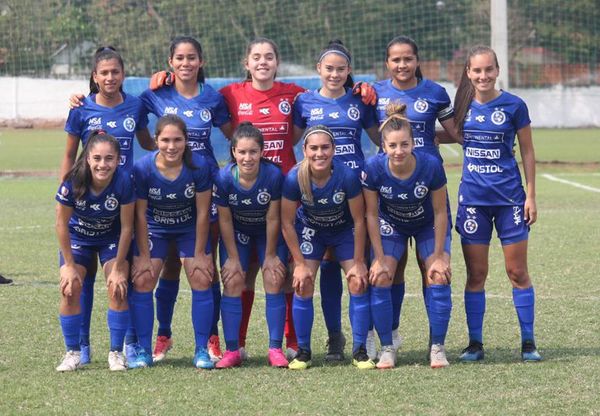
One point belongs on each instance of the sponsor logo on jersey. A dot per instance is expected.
(353, 113)
(112, 124)
(307, 233)
(480, 118)
(242, 238)
(247, 201)
(285, 108)
(305, 200)
(482, 136)
(335, 115)
(273, 145)
(498, 117)
(112, 246)
(233, 199)
(418, 126)
(484, 168)
(264, 111)
(420, 190)
(421, 105)
(129, 124)
(419, 141)
(339, 197)
(205, 115)
(482, 153)
(470, 226)
(517, 218)
(154, 193)
(363, 178)
(170, 110)
(382, 102)
(80, 204)
(472, 210)
(122, 160)
(274, 128)
(111, 203)
(195, 146)
(188, 113)
(263, 197)
(385, 228)
(323, 201)
(344, 149)
(245, 109)
(316, 113)
(403, 196)
(95, 207)
(190, 190)
(171, 196)
(95, 121)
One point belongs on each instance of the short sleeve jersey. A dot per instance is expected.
(199, 113)
(249, 206)
(490, 173)
(120, 122)
(329, 210)
(171, 203)
(345, 116)
(425, 103)
(405, 202)
(96, 218)
(271, 112)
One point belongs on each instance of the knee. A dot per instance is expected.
(518, 275)
(234, 286)
(356, 288)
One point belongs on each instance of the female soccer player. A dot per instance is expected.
(426, 102)
(335, 106)
(331, 215)
(248, 193)
(94, 216)
(405, 195)
(491, 194)
(173, 187)
(108, 108)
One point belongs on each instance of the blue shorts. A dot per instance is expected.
(313, 243)
(475, 224)
(395, 241)
(186, 244)
(214, 214)
(250, 246)
(84, 255)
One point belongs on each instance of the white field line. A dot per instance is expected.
(21, 227)
(571, 183)
(450, 149)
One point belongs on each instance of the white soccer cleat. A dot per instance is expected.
(388, 357)
(71, 361)
(116, 361)
(437, 356)
(371, 345)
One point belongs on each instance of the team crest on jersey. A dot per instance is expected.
(189, 190)
(385, 228)
(129, 124)
(353, 113)
(498, 117)
(243, 238)
(306, 248)
(339, 197)
(420, 191)
(205, 115)
(263, 197)
(470, 226)
(285, 107)
(421, 105)
(111, 203)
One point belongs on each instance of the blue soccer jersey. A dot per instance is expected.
(121, 122)
(490, 173)
(329, 210)
(405, 202)
(96, 218)
(249, 206)
(171, 203)
(199, 113)
(425, 103)
(346, 116)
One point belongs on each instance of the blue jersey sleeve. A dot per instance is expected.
(64, 195)
(277, 185)
(297, 116)
(352, 185)
(74, 124)
(438, 178)
(369, 116)
(126, 187)
(445, 108)
(521, 116)
(220, 114)
(148, 100)
(221, 188)
(368, 176)
(203, 174)
(291, 188)
(140, 180)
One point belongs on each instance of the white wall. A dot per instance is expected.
(29, 98)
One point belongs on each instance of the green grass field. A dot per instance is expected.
(563, 262)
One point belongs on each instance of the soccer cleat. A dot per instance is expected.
(302, 360)
(86, 354)
(230, 359)
(142, 359)
(202, 359)
(361, 360)
(116, 361)
(244, 354)
(5, 281)
(335, 347)
(529, 352)
(371, 345)
(388, 357)
(214, 348)
(396, 339)
(71, 361)
(437, 356)
(290, 353)
(474, 352)
(277, 359)
(131, 351)
(163, 345)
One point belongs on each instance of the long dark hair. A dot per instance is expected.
(173, 120)
(336, 46)
(465, 91)
(258, 41)
(81, 174)
(188, 39)
(405, 40)
(104, 53)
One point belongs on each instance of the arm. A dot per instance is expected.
(144, 265)
(374, 135)
(202, 261)
(450, 133)
(378, 267)
(440, 263)
(359, 269)
(227, 130)
(272, 264)
(70, 154)
(298, 132)
(232, 264)
(68, 274)
(301, 270)
(145, 139)
(117, 280)
(528, 158)
(76, 100)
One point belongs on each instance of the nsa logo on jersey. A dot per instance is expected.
(285, 107)
(498, 117)
(111, 203)
(421, 105)
(263, 198)
(421, 191)
(339, 197)
(129, 124)
(353, 113)
(205, 115)
(189, 190)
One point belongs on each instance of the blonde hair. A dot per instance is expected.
(304, 173)
(395, 119)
